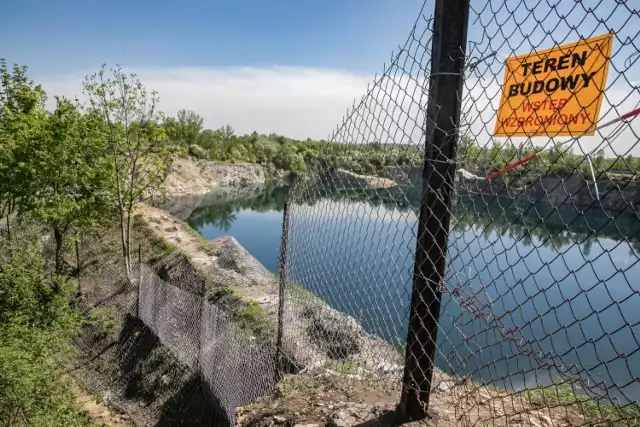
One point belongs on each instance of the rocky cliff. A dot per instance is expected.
(616, 192)
(346, 179)
(199, 177)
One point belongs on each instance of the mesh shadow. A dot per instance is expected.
(154, 375)
(139, 341)
(386, 419)
(193, 405)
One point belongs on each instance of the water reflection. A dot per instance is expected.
(559, 281)
(222, 215)
(552, 227)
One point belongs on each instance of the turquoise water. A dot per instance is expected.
(527, 301)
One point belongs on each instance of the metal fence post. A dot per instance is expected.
(283, 275)
(77, 256)
(441, 137)
(139, 280)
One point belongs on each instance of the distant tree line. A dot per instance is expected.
(280, 153)
(556, 159)
(277, 152)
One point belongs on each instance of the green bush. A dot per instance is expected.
(36, 324)
(223, 294)
(102, 321)
(251, 317)
(198, 152)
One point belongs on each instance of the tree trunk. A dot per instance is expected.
(8, 228)
(77, 257)
(129, 238)
(123, 242)
(59, 237)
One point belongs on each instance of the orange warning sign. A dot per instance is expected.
(555, 92)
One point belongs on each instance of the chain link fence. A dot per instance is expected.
(168, 347)
(473, 278)
(502, 294)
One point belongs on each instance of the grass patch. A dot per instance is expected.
(592, 409)
(204, 245)
(224, 295)
(343, 367)
(287, 386)
(102, 321)
(159, 249)
(153, 248)
(247, 315)
(251, 317)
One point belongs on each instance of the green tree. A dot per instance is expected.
(266, 150)
(36, 324)
(68, 188)
(139, 151)
(198, 152)
(22, 116)
(185, 128)
(208, 140)
(225, 137)
(226, 133)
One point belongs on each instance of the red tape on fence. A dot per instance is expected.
(530, 157)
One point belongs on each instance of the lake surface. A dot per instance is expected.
(528, 302)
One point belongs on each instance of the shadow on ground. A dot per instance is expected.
(172, 394)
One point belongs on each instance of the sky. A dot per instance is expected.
(290, 67)
(295, 67)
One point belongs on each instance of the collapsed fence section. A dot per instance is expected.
(492, 238)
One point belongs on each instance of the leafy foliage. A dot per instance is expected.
(67, 187)
(136, 142)
(36, 322)
(196, 151)
(22, 118)
(185, 128)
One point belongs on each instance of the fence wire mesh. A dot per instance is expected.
(168, 346)
(536, 324)
(177, 356)
(535, 308)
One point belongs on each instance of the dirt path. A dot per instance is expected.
(99, 412)
(248, 278)
(178, 233)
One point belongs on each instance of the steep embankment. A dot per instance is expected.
(189, 176)
(347, 179)
(315, 333)
(616, 192)
(345, 376)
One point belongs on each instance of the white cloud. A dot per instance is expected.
(297, 102)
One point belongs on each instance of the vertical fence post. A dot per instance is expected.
(283, 275)
(139, 280)
(441, 136)
(202, 317)
(77, 256)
